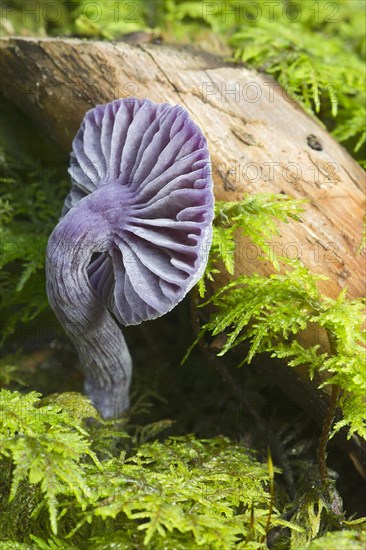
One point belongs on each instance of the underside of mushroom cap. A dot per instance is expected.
(153, 159)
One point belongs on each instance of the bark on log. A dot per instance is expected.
(259, 139)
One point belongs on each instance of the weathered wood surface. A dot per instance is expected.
(259, 139)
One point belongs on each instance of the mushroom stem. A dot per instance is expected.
(101, 346)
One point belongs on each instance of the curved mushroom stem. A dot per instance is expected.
(102, 348)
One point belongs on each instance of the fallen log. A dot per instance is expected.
(260, 140)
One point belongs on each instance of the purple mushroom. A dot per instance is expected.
(134, 234)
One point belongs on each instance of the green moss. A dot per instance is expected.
(341, 540)
(209, 492)
(33, 186)
(268, 312)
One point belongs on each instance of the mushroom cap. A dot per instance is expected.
(154, 161)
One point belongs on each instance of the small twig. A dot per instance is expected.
(259, 422)
(271, 488)
(224, 372)
(327, 426)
